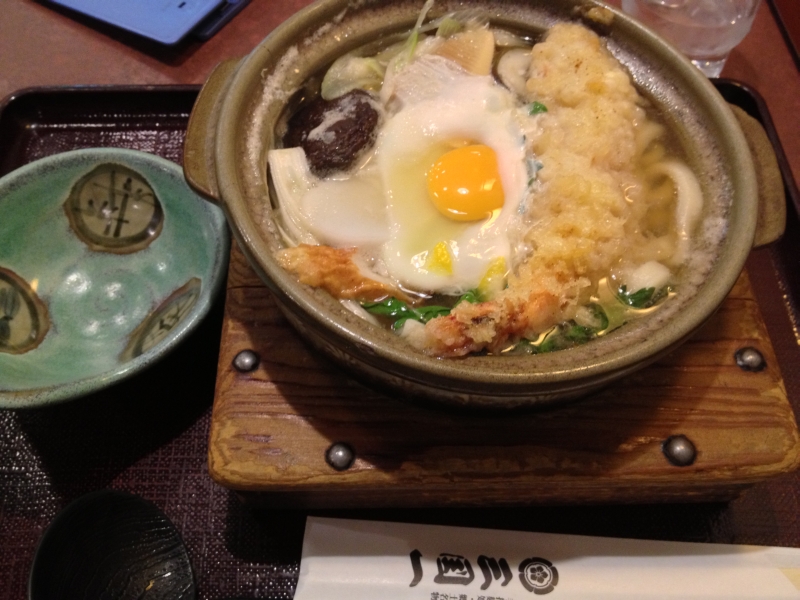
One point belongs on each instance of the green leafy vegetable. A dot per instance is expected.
(643, 298)
(471, 296)
(536, 107)
(398, 312)
(638, 299)
(566, 335)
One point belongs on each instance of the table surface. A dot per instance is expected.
(238, 551)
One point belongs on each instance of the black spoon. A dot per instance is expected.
(111, 545)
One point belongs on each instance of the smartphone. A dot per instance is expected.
(165, 21)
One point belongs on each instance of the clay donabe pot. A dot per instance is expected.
(233, 126)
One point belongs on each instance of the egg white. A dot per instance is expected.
(470, 109)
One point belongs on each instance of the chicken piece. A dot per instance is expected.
(492, 325)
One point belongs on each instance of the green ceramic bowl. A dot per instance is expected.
(107, 261)
(235, 123)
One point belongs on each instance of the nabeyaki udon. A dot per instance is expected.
(481, 193)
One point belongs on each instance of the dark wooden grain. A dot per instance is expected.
(270, 428)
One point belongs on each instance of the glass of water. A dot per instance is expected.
(704, 30)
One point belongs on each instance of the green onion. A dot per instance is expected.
(413, 38)
(448, 26)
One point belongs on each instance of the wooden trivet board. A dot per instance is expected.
(271, 427)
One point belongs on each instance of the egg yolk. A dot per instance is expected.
(464, 184)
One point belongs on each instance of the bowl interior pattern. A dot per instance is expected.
(107, 260)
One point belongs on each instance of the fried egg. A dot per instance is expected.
(432, 207)
(454, 174)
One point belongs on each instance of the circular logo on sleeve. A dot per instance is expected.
(538, 575)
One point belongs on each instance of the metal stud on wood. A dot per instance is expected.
(340, 456)
(246, 361)
(750, 359)
(679, 450)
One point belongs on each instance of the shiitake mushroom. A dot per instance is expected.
(334, 133)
